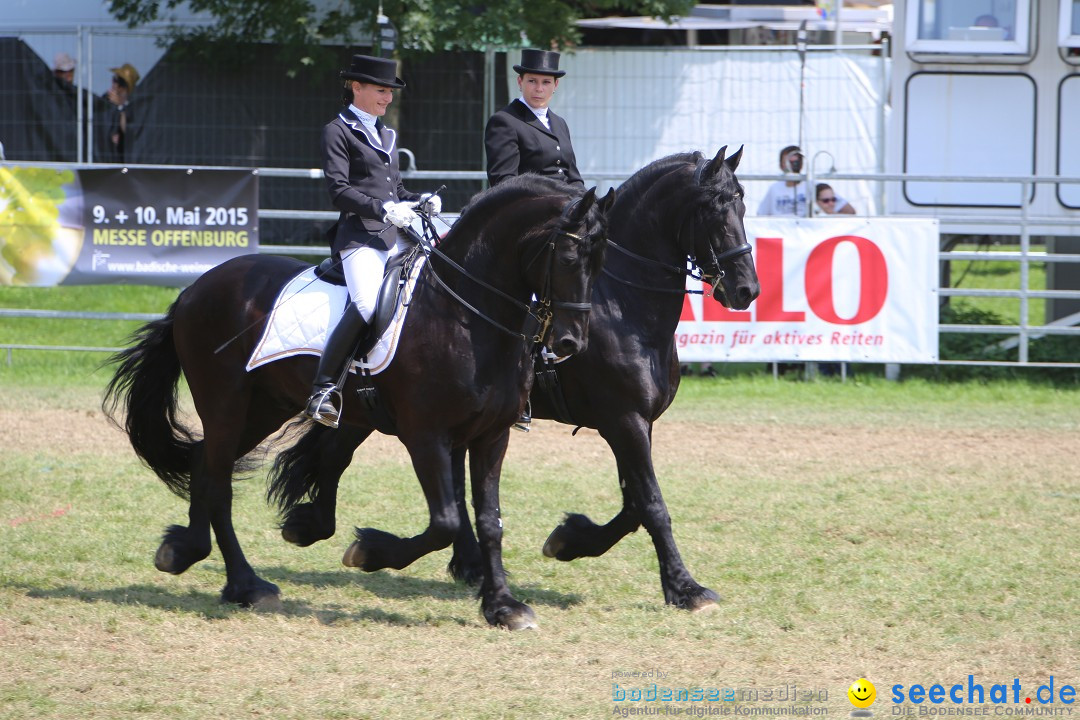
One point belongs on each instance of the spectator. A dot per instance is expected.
(786, 197)
(64, 69)
(120, 116)
(829, 202)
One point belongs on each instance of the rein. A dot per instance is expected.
(542, 315)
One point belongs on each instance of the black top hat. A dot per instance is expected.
(377, 71)
(539, 62)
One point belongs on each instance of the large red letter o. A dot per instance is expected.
(873, 285)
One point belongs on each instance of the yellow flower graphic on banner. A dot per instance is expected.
(35, 248)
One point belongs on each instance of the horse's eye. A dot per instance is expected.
(737, 195)
(569, 255)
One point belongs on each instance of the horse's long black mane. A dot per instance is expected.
(478, 210)
(637, 185)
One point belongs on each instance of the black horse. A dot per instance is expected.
(678, 209)
(461, 375)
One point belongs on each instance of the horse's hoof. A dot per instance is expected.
(257, 594)
(469, 573)
(164, 557)
(302, 526)
(354, 556)
(519, 620)
(554, 543)
(707, 606)
(517, 616)
(702, 602)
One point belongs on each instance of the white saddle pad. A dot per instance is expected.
(304, 314)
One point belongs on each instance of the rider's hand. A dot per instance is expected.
(399, 214)
(431, 202)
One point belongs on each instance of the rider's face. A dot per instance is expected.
(537, 89)
(372, 99)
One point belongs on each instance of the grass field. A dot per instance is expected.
(906, 532)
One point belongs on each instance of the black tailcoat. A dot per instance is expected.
(517, 142)
(361, 176)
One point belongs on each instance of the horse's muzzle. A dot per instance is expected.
(572, 340)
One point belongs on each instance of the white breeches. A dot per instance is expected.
(364, 268)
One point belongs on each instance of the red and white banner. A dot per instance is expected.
(832, 289)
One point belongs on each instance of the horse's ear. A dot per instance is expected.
(733, 161)
(608, 201)
(715, 164)
(582, 206)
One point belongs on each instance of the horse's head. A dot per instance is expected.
(561, 270)
(713, 232)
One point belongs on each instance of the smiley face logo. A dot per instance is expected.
(862, 693)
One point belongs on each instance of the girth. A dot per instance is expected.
(547, 379)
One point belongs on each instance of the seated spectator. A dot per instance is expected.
(829, 202)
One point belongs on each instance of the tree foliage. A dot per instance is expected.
(301, 27)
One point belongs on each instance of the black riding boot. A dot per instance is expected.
(525, 420)
(333, 365)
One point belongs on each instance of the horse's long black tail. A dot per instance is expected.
(145, 385)
(296, 470)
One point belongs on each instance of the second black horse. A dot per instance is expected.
(683, 211)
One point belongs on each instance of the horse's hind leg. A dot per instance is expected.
(233, 425)
(181, 547)
(318, 469)
(376, 549)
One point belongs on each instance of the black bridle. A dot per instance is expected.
(541, 310)
(711, 274)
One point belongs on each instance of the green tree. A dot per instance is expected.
(301, 27)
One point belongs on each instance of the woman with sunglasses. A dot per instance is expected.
(830, 203)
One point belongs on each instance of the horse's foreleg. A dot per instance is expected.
(465, 564)
(306, 523)
(632, 445)
(485, 467)
(578, 536)
(376, 549)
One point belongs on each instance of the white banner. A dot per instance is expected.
(832, 289)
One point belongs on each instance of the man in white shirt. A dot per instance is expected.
(789, 197)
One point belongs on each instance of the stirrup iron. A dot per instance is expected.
(315, 404)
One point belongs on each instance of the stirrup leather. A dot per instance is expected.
(322, 397)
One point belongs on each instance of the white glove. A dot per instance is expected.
(431, 202)
(399, 214)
